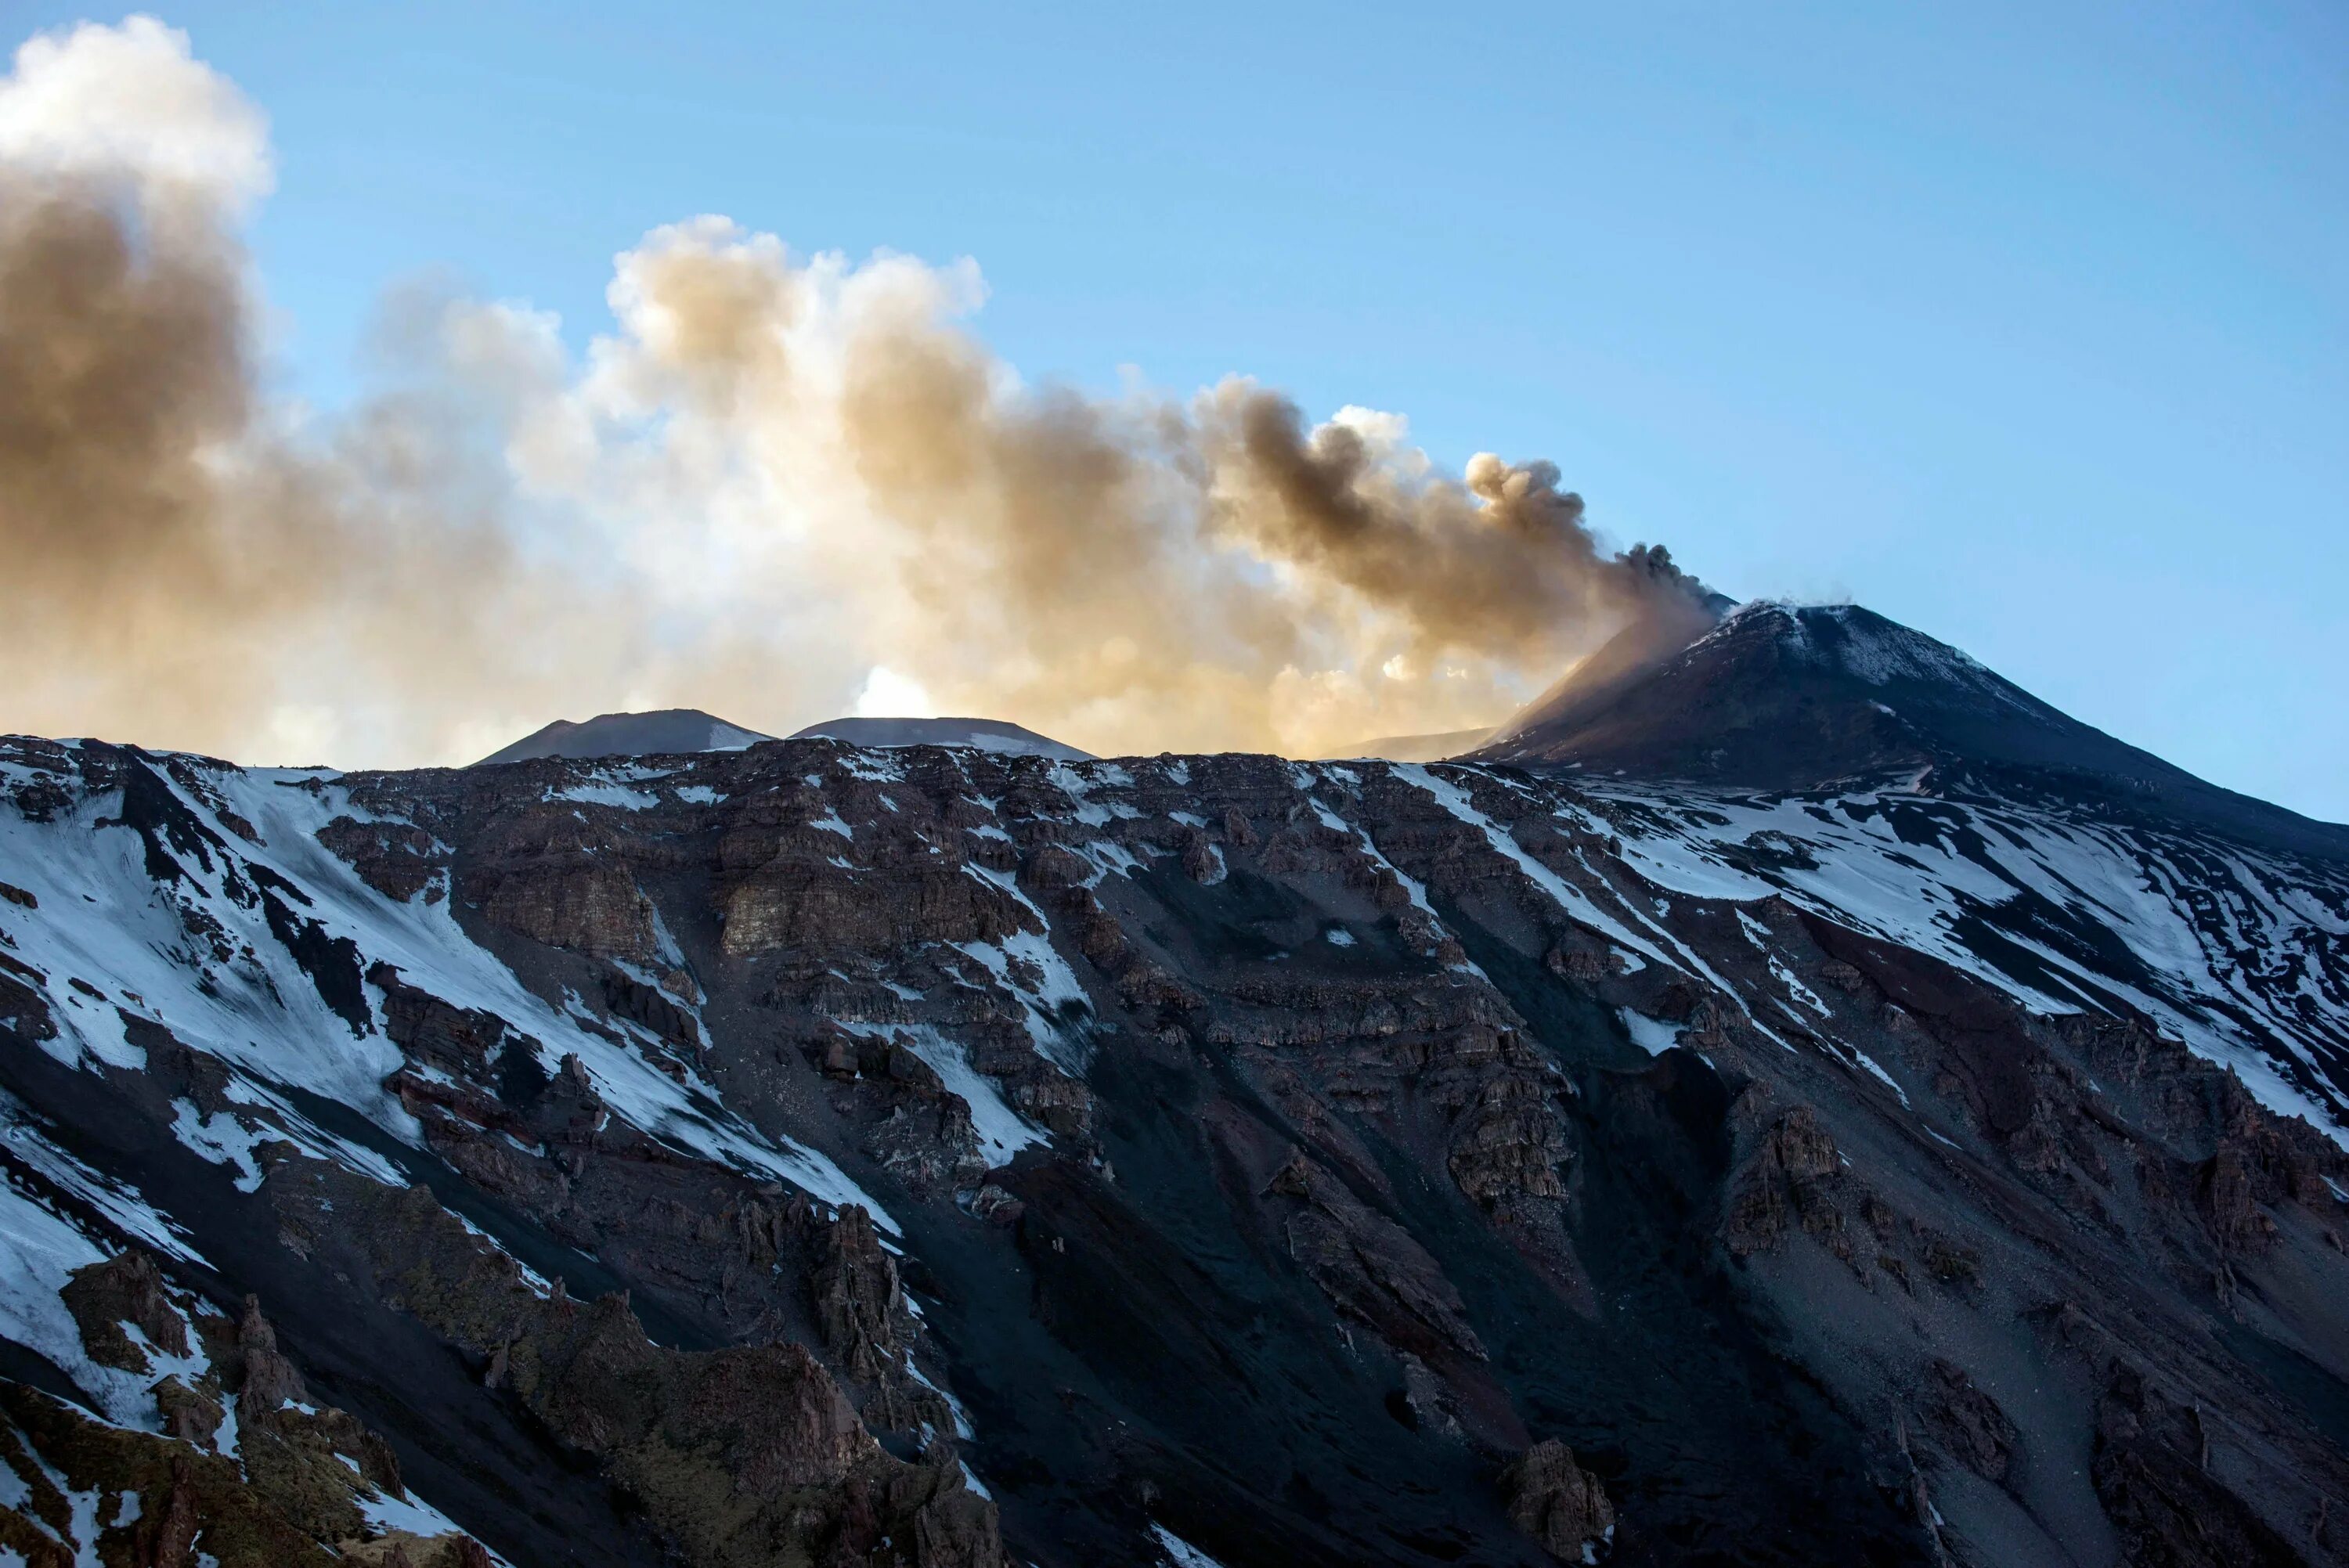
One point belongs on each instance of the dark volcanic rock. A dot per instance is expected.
(1558, 1502)
(127, 1289)
(718, 1159)
(661, 732)
(1969, 1423)
(1783, 698)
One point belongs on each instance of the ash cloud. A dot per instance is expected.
(1499, 563)
(773, 474)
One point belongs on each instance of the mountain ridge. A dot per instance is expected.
(950, 1158)
(987, 734)
(652, 732)
(676, 731)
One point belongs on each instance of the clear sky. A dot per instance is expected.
(2027, 326)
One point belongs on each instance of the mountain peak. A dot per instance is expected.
(987, 734)
(1781, 697)
(661, 731)
(1857, 642)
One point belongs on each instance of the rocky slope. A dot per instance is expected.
(809, 1154)
(1777, 696)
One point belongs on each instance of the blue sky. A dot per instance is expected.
(2026, 326)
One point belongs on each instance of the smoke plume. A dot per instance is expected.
(773, 476)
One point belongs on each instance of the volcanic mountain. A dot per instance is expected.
(985, 734)
(673, 731)
(660, 732)
(1886, 1123)
(1418, 748)
(1787, 698)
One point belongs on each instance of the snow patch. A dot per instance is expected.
(1002, 1131)
(1576, 904)
(603, 792)
(1653, 1035)
(1181, 1553)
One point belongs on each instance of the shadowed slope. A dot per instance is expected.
(1777, 697)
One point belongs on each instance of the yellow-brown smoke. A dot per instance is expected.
(772, 476)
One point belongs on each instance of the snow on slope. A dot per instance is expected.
(1843, 636)
(41, 1246)
(2240, 954)
(1572, 899)
(2244, 955)
(241, 995)
(42, 1243)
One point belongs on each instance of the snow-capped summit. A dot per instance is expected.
(1780, 696)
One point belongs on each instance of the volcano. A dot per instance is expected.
(1811, 699)
(1794, 1098)
(660, 732)
(985, 734)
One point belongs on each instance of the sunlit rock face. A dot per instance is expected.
(950, 1156)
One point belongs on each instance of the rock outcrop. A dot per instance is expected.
(1558, 1502)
